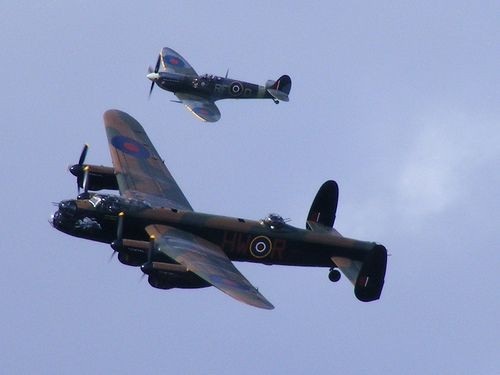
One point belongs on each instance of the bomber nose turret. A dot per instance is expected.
(56, 219)
(64, 214)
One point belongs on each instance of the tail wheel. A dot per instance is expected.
(334, 275)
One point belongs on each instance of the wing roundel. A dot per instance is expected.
(174, 63)
(140, 171)
(204, 109)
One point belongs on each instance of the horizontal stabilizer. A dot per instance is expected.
(370, 280)
(277, 94)
(366, 273)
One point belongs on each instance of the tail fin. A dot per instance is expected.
(281, 88)
(324, 206)
(367, 275)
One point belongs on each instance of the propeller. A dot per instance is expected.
(151, 248)
(85, 182)
(148, 266)
(116, 244)
(78, 170)
(153, 74)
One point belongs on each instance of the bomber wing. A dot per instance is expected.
(204, 109)
(174, 63)
(208, 261)
(140, 172)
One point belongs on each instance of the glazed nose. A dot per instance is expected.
(56, 219)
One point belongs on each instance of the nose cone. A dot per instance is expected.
(56, 219)
(153, 76)
(76, 170)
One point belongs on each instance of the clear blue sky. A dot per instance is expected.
(399, 103)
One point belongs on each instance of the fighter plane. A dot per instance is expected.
(199, 93)
(151, 225)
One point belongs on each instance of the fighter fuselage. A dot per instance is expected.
(209, 86)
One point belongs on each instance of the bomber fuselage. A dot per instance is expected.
(269, 241)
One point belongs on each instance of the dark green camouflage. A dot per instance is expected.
(153, 226)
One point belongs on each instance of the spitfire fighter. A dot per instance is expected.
(151, 225)
(199, 93)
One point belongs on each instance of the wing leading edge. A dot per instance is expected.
(207, 261)
(140, 172)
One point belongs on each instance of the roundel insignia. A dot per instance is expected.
(130, 146)
(203, 112)
(260, 247)
(172, 60)
(219, 279)
(235, 88)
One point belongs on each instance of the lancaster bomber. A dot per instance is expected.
(199, 93)
(151, 225)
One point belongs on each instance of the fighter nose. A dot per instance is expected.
(153, 76)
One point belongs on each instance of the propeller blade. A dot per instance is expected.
(83, 155)
(147, 268)
(117, 244)
(85, 182)
(119, 231)
(158, 62)
(152, 73)
(77, 169)
(151, 249)
(151, 89)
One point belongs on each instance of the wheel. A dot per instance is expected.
(334, 275)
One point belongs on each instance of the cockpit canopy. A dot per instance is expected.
(116, 204)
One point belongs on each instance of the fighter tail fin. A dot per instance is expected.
(280, 88)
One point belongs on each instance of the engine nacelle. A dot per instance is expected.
(98, 177)
(131, 253)
(102, 179)
(133, 259)
(169, 280)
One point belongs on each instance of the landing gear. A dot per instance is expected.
(276, 101)
(334, 275)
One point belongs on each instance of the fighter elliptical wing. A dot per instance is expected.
(204, 109)
(172, 62)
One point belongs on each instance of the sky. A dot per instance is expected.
(396, 101)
